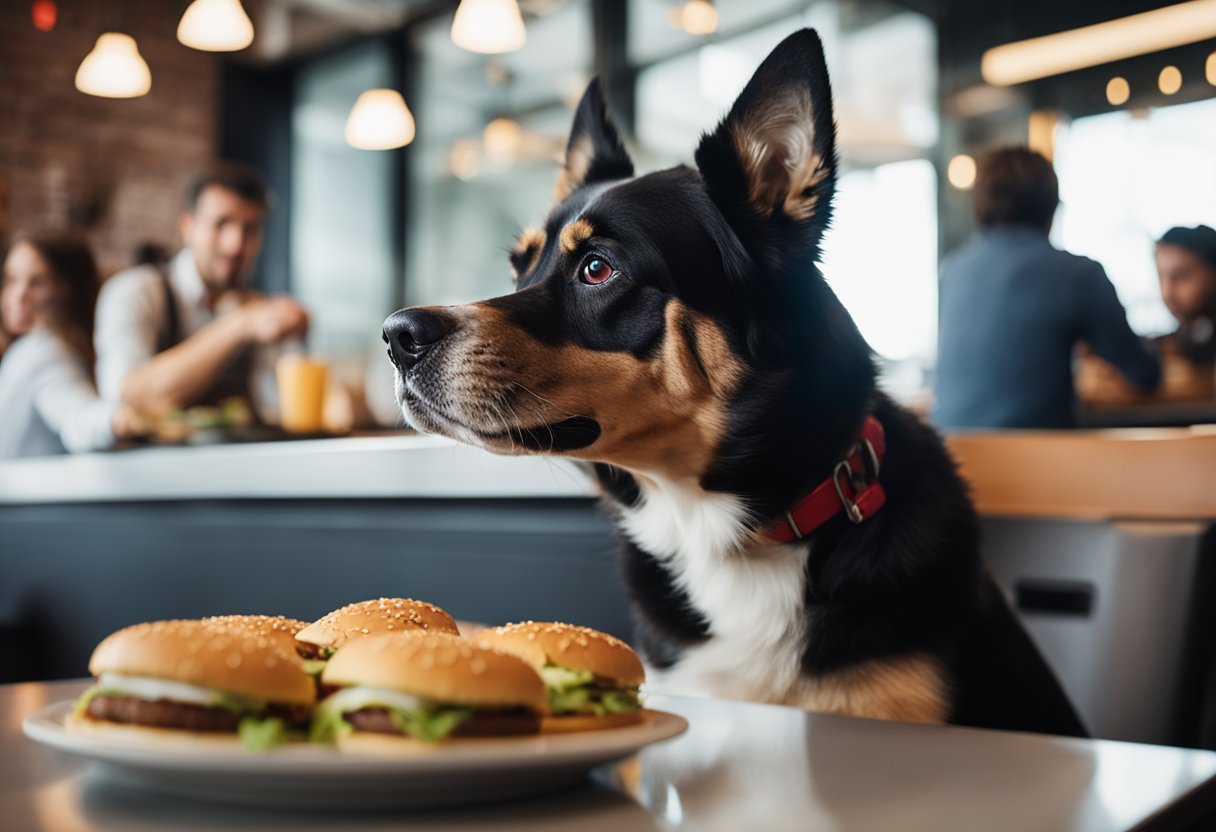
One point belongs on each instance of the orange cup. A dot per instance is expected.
(301, 382)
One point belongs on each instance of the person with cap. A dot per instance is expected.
(1013, 309)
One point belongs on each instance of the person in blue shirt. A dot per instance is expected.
(1013, 309)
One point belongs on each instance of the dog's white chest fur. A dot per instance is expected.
(752, 594)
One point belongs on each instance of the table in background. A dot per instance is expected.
(739, 767)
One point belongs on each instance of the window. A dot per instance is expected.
(1127, 177)
(474, 188)
(880, 255)
(342, 220)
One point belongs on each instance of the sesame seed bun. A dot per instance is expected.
(439, 667)
(567, 645)
(282, 631)
(380, 615)
(223, 657)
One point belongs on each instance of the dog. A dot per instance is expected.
(673, 331)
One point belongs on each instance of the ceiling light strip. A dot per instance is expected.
(1101, 43)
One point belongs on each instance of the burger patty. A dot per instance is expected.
(480, 724)
(163, 713)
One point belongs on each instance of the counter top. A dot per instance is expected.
(1132, 474)
(1141, 473)
(348, 468)
(740, 766)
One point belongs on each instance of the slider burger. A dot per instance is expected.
(396, 690)
(197, 679)
(321, 639)
(591, 678)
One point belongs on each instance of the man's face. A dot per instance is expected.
(1188, 284)
(225, 234)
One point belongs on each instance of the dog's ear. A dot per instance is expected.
(770, 166)
(594, 152)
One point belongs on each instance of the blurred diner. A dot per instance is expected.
(190, 331)
(48, 402)
(1186, 270)
(1013, 308)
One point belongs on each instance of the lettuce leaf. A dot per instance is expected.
(620, 701)
(314, 667)
(261, 735)
(236, 703)
(429, 725)
(576, 692)
(563, 678)
(327, 723)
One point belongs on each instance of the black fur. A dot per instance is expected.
(907, 581)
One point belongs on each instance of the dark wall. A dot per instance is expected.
(255, 128)
(69, 575)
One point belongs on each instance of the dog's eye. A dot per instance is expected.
(597, 271)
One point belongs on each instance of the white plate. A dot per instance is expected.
(457, 772)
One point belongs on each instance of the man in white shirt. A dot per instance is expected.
(190, 332)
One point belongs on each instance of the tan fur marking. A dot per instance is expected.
(664, 416)
(804, 184)
(791, 180)
(574, 169)
(574, 234)
(532, 239)
(911, 689)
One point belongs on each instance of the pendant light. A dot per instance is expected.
(501, 139)
(380, 121)
(489, 27)
(696, 17)
(215, 26)
(114, 69)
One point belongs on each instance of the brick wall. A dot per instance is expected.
(115, 169)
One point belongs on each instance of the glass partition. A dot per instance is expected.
(342, 221)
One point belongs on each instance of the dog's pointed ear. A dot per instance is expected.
(594, 152)
(770, 166)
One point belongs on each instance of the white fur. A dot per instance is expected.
(751, 592)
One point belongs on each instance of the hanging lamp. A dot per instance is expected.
(489, 27)
(380, 120)
(215, 26)
(114, 69)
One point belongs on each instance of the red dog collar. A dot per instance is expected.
(853, 488)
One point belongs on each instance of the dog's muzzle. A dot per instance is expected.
(410, 333)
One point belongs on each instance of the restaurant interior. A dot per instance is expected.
(400, 150)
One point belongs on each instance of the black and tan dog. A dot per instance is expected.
(789, 534)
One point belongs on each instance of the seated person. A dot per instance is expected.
(1186, 270)
(48, 404)
(190, 332)
(1012, 309)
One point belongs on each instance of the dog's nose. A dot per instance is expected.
(409, 333)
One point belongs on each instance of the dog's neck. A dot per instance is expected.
(706, 544)
(673, 515)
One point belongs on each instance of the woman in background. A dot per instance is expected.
(48, 403)
(1186, 271)
(1186, 268)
